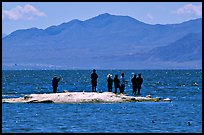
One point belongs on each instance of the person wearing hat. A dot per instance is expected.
(110, 82)
(139, 82)
(134, 84)
(55, 81)
(94, 77)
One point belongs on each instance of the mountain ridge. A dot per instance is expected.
(118, 38)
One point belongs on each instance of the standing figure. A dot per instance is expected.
(122, 83)
(116, 83)
(55, 81)
(110, 83)
(139, 81)
(134, 84)
(94, 77)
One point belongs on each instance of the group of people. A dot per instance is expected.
(136, 83)
(118, 83)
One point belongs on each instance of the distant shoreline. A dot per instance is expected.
(91, 69)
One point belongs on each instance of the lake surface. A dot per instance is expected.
(184, 87)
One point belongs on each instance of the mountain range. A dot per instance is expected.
(105, 42)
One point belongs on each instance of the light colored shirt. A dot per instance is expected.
(122, 80)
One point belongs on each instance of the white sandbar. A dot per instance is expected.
(79, 97)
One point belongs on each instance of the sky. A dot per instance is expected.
(24, 15)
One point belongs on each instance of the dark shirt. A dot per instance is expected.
(116, 82)
(140, 80)
(110, 81)
(94, 77)
(55, 81)
(134, 81)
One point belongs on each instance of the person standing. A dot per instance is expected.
(110, 83)
(134, 84)
(122, 83)
(139, 81)
(55, 81)
(116, 83)
(94, 77)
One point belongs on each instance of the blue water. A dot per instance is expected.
(184, 87)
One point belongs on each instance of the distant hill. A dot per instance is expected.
(188, 48)
(105, 41)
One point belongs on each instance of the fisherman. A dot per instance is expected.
(110, 82)
(94, 77)
(55, 81)
(134, 84)
(139, 81)
(116, 83)
(122, 83)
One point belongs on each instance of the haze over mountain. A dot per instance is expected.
(3, 35)
(105, 42)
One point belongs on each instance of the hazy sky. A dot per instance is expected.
(23, 15)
